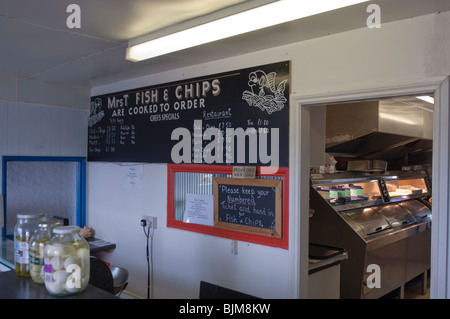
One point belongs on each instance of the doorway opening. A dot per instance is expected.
(387, 140)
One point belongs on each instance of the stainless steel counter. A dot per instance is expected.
(324, 271)
(387, 226)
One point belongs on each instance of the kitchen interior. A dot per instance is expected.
(372, 198)
(372, 190)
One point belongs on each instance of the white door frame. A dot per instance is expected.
(299, 151)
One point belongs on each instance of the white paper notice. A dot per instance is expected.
(199, 209)
(133, 176)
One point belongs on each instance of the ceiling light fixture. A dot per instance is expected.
(426, 98)
(397, 119)
(258, 18)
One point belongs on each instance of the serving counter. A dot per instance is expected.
(382, 219)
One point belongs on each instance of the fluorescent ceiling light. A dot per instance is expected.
(426, 98)
(258, 18)
(397, 119)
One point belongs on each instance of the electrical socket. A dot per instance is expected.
(148, 221)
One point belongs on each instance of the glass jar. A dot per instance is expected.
(37, 244)
(66, 262)
(26, 227)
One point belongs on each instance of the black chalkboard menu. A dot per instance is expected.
(248, 205)
(237, 117)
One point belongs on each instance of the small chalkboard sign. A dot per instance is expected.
(248, 205)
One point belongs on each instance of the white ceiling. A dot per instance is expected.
(36, 42)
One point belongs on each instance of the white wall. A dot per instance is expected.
(42, 130)
(42, 119)
(181, 258)
(15, 88)
(404, 52)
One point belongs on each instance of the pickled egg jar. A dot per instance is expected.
(66, 262)
(37, 244)
(25, 228)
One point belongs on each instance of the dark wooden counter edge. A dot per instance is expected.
(13, 286)
(96, 244)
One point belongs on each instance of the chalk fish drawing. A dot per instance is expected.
(264, 93)
(96, 112)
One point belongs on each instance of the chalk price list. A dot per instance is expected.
(113, 136)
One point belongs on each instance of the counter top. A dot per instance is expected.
(322, 257)
(319, 264)
(16, 287)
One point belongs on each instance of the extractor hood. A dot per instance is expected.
(397, 130)
(381, 145)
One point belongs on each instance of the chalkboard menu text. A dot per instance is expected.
(237, 117)
(249, 205)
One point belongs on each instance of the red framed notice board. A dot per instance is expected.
(249, 210)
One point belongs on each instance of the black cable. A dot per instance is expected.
(148, 263)
(149, 253)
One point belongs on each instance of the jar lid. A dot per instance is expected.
(35, 215)
(66, 229)
(50, 223)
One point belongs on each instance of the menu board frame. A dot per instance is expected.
(239, 233)
(239, 117)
